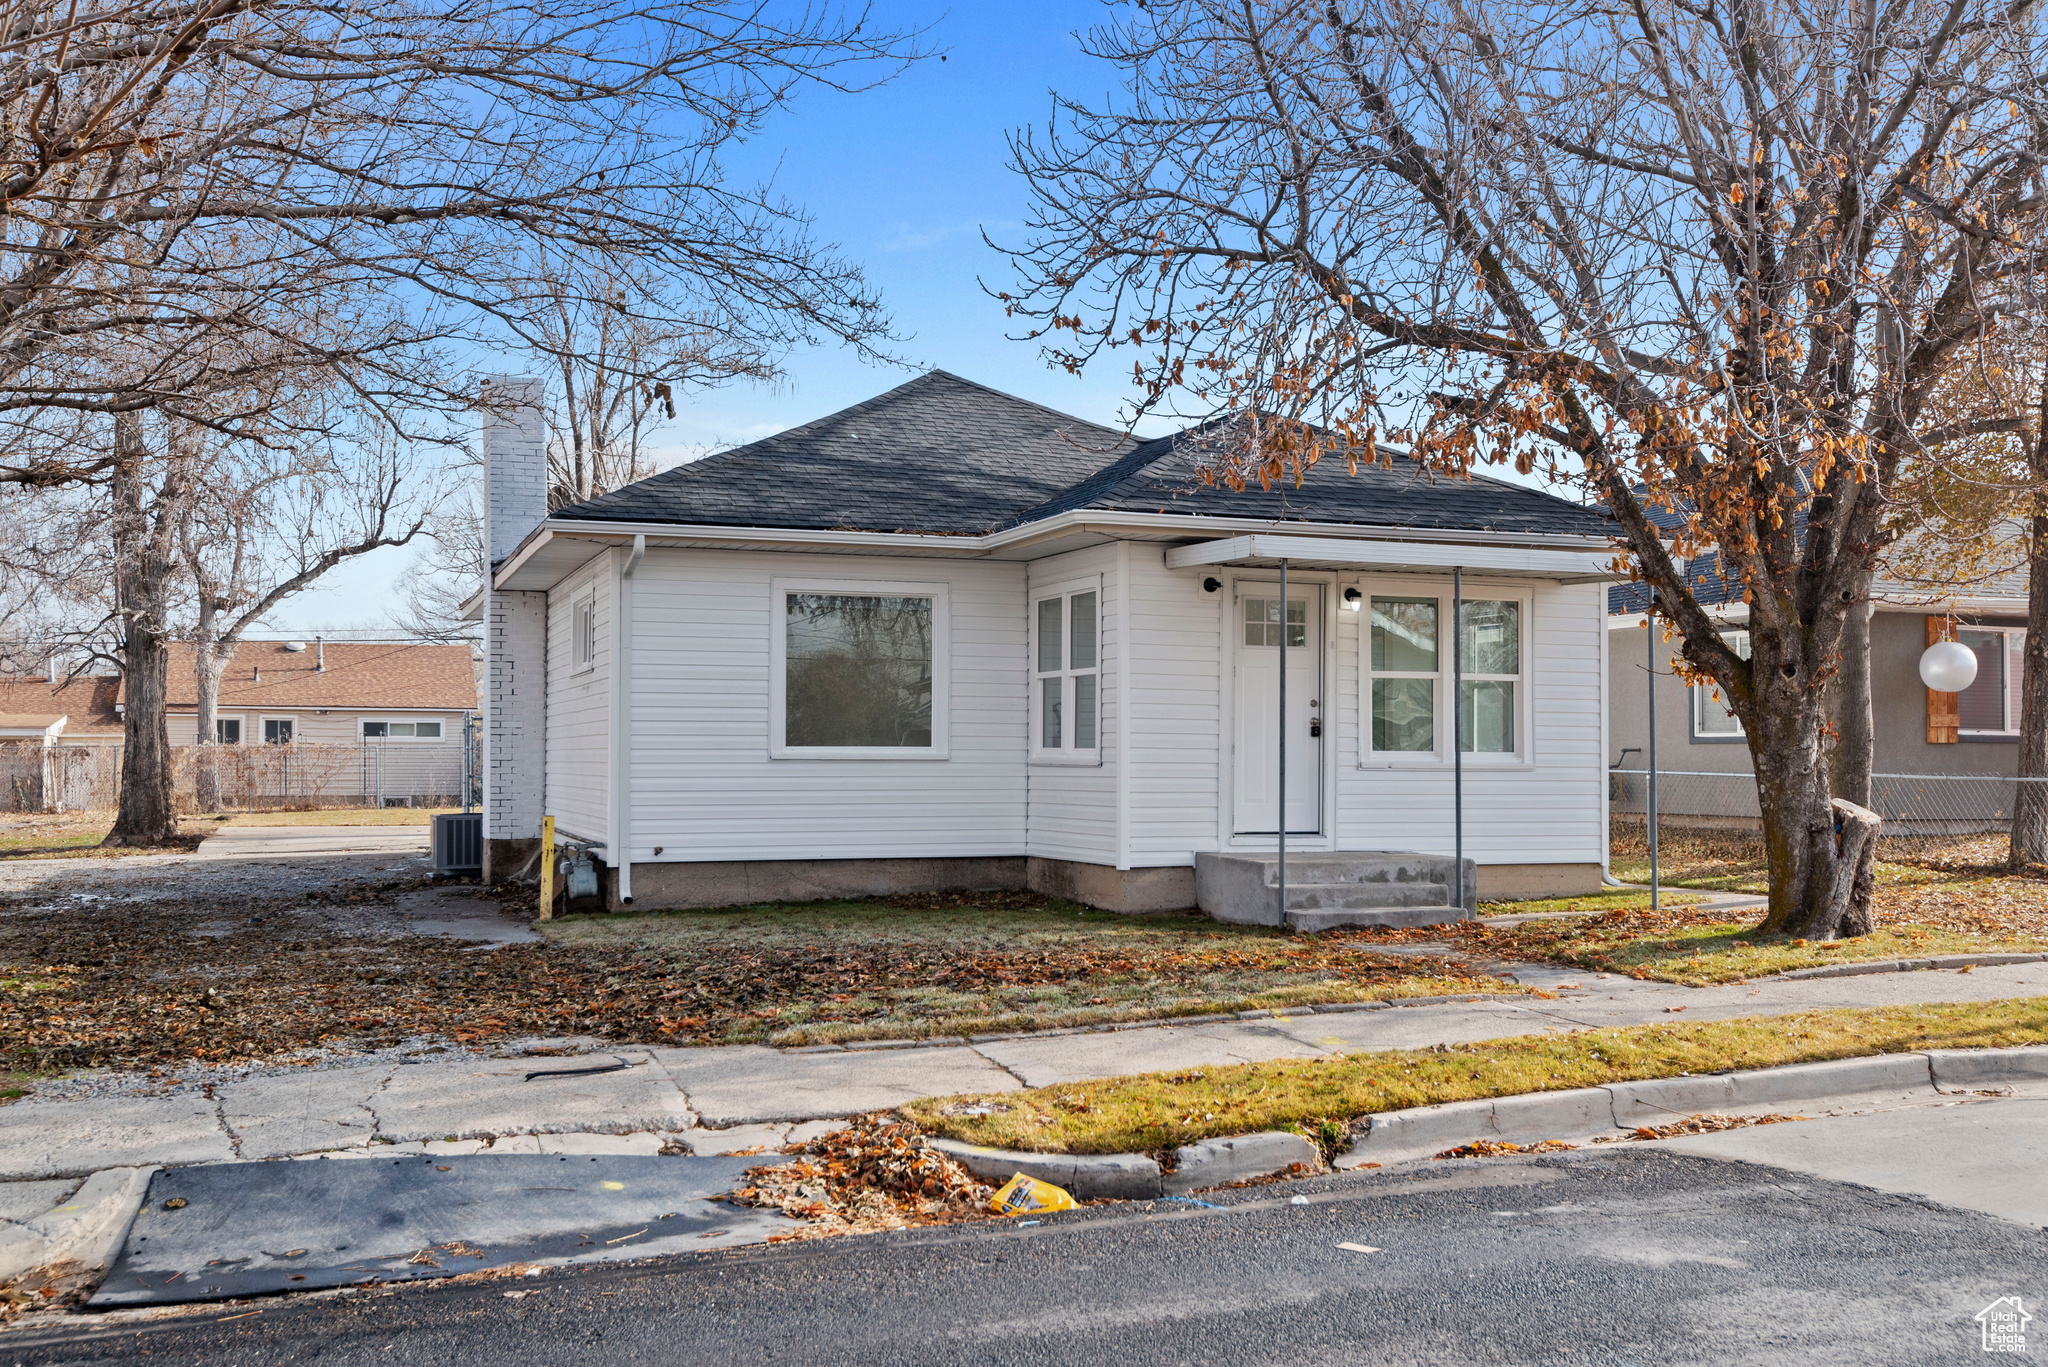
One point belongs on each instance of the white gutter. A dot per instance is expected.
(1112, 524)
(619, 842)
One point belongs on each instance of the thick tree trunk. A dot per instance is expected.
(143, 570)
(1854, 752)
(1817, 850)
(2030, 803)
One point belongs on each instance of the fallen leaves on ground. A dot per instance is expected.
(163, 983)
(1696, 1124)
(1495, 1148)
(875, 1174)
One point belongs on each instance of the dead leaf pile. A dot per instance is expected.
(1697, 1124)
(875, 1174)
(1495, 1148)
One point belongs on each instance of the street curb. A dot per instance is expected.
(1086, 1176)
(1219, 1162)
(1903, 966)
(84, 1234)
(1533, 1116)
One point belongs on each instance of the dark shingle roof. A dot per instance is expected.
(942, 454)
(1165, 476)
(939, 454)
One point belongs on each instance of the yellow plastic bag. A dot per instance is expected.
(1023, 1195)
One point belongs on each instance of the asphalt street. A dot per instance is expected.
(1634, 1254)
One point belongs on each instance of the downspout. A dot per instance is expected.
(619, 842)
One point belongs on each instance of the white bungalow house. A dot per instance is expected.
(949, 638)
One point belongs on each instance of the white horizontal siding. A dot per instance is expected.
(1547, 812)
(579, 708)
(1176, 712)
(704, 787)
(1072, 809)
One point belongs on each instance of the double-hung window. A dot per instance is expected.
(859, 670)
(1408, 676)
(1712, 718)
(227, 730)
(1066, 669)
(1990, 706)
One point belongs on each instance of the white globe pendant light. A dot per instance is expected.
(1948, 666)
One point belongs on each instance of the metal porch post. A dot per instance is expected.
(1458, 732)
(1650, 788)
(1282, 822)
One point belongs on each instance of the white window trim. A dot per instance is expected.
(262, 739)
(579, 663)
(1496, 590)
(2011, 685)
(242, 722)
(441, 739)
(1702, 695)
(1063, 589)
(778, 666)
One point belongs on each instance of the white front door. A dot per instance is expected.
(1257, 627)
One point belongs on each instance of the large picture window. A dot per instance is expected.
(1712, 718)
(1407, 676)
(1990, 706)
(859, 671)
(1066, 685)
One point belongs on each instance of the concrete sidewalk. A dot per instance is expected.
(698, 1096)
(299, 842)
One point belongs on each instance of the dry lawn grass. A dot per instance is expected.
(984, 963)
(1949, 901)
(1320, 1098)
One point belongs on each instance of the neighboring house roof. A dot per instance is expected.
(87, 701)
(944, 455)
(359, 675)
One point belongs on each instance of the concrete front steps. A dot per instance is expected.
(1324, 890)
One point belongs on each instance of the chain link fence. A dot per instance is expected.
(258, 778)
(1924, 814)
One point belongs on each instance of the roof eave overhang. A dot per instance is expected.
(1321, 552)
(558, 545)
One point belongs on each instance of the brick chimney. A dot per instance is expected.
(515, 627)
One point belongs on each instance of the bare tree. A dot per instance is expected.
(1710, 259)
(267, 525)
(219, 214)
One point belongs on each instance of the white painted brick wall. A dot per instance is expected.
(515, 687)
(515, 736)
(515, 463)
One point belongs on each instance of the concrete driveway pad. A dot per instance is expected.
(753, 1084)
(1983, 1155)
(296, 842)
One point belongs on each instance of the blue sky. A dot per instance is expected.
(904, 179)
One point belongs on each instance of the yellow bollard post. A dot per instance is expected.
(547, 868)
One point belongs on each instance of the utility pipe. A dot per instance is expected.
(620, 841)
